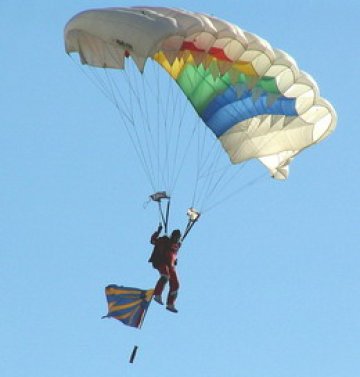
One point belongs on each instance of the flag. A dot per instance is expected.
(128, 305)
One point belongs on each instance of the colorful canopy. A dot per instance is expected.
(251, 96)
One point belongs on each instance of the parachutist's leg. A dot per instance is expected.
(160, 285)
(174, 287)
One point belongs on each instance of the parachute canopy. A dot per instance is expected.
(253, 97)
(128, 305)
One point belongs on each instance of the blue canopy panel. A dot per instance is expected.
(230, 108)
(128, 305)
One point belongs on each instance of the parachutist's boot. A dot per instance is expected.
(171, 308)
(158, 299)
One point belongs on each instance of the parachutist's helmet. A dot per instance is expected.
(175, 235)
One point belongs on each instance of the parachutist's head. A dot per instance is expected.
(175, 235)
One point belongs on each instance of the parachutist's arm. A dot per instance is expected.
(156, 234)
(154, 237)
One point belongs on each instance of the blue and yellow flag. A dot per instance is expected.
(128, 305)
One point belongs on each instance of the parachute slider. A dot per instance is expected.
(157, 196)
(193, 214)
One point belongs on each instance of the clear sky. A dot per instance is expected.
(269, 281)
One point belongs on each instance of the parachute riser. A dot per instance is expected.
(189, 226)
(158, 197)
(167, 216)
(164, 217)
(194, 216)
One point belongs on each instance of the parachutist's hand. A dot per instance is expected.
(159, 228)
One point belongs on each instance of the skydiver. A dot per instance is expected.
(164, 259)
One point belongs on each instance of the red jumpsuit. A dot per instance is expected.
(166, 267)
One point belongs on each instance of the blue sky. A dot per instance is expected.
(269, 280)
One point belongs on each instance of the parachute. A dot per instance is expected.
(198, 94)
(253, 98)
